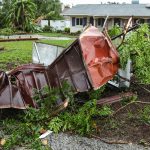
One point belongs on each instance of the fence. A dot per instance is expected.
(56, 24)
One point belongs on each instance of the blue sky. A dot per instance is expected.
(74, 2)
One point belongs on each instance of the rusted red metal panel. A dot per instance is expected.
(10, 95)
(100, 56)
(29, 78)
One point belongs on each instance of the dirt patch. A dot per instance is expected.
(142, 92)
(127, 125)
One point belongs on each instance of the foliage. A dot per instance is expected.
(67, 30)
(6, 31)
(20, 52)
(48, 29)
(4, 12)
(6, 4)
(116, 30)
(58, 31)
(25, 133)
(125, 100)
(77, 33)
(145, 115)
(80, 121)
(56, 124)
(21, 15)
(54, 34)
(137, 48)
(62, 43)
(16, 53)
(1, 18)
(50, 8)
(96, 94)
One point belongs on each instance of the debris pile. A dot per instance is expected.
(88, 63)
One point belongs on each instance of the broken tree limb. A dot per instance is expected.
(114, 99)
(110, 142)
(132, 28)
(60, 108)
(121, 108)
(125, 31)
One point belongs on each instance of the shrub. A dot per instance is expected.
(145, 115)
(67, 30)
(48, 29)
(7, 31)
(96, 94)
(80, 121)
(78, 33)
(59, 31)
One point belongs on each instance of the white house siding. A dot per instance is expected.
(76, 29)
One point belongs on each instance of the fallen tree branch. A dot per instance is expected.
(110, 142)
(60, 108)
(144, 88)
(128, 105)
(137, 84)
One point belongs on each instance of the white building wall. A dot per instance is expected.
(74, 29)
(56, 24)
(43, 23)
(60, 24)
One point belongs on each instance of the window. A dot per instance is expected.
(135, 21)
(84, 21)
(91, 20)
(141, 21)
(100, 22)
(117, 21)
(73, 21)
(138, 21)
(148, 21)
(79, 21)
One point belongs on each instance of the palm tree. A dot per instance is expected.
(22, 14)
(48, 8)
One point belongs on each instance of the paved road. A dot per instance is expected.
(74, 142)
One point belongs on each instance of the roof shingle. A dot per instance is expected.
(109, 10)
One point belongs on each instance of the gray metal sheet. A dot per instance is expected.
(45, 53)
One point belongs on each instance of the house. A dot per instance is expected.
(95, 14)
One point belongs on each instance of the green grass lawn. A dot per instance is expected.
(49, 34)
(20, 52)
(63, 43)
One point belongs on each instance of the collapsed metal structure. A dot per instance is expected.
(88, 63)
